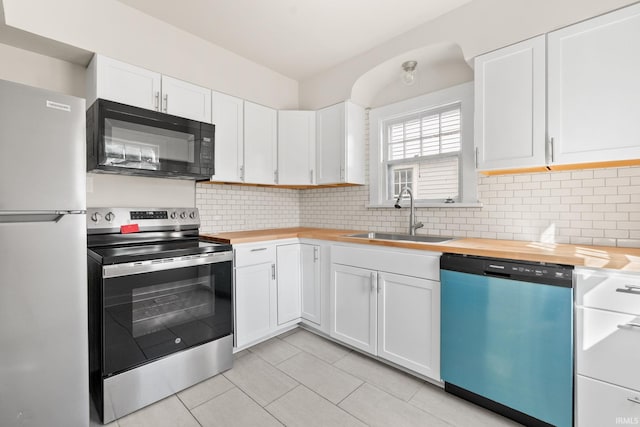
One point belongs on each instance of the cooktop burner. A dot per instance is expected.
(122, 254)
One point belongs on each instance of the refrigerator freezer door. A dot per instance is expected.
(42, 150)
(43, 323)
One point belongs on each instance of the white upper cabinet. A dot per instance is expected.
(510, 106)
(296, 147)
(260, 144)
(124, 83)
(185, 99)
(594, 88)
(120, 82)
(228, 117)
(340, 144)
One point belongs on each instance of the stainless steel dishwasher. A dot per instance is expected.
(507, 337)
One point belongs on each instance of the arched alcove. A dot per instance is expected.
(440, 66)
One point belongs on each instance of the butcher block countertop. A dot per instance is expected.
(626, 259)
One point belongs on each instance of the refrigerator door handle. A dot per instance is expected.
(31, 216)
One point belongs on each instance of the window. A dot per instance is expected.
(431, 139)
(426, 144)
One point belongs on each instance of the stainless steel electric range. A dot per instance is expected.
(160, 306)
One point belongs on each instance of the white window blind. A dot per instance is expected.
(430, 141)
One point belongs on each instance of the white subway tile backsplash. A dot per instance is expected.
(594, 206)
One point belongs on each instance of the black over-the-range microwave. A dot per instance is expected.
(136, 141)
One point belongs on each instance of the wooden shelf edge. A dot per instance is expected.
(573, 166)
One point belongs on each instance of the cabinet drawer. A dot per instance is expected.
(608, 290)
(255, 254)
(608, 345)
(600, 404)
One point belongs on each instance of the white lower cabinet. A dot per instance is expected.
(607, 347)
(288, 282)
(254, 301)
(354, 306)
(267, 289)
(311, 285)
(390, 315)
(601, 404)
(255, 292)
(409, 322)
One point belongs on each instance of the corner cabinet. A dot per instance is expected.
(594, 88)
(311, 284)
(227, 114)
(121, 82)
(387, 303)
(296, 147)
(340, 144)
(260, 144)
(510, 98)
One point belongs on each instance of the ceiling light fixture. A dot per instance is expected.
(409, 72)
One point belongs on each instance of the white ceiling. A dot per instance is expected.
(297, 38)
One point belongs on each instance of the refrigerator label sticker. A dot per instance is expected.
(58, 106)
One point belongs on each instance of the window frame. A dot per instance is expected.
(438, 101)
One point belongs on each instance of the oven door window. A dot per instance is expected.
(148, 316)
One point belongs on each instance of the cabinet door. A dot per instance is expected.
(296, 147)
(594, 89)
(311, 285)
(601, 404)
(228, 117)
(607, 346)
(510, 106)
(185, 99)
(288, 282)
(330, 140)
(127, 84)
(260, 144)
(254, 301)
(354, 306)
(409, 322)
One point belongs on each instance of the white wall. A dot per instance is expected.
(477, 27)
(33, 69)
(119, 31)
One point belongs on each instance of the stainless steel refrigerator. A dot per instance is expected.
(43, 295)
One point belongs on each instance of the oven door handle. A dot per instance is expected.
(150, 266)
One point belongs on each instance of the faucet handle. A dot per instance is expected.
(418, 225)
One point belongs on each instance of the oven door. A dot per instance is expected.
(154, 308)
(132, 140)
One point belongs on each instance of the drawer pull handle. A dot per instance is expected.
(629, 325)
(634, 400)
(629, 289)
(258, 249)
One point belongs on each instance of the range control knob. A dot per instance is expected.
(173, 215)
(183, 215)
(192, 215)
(109, 216)
(96, 217)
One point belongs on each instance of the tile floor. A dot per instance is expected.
(301, 379)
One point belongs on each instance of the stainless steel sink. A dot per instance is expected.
(403, 237)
